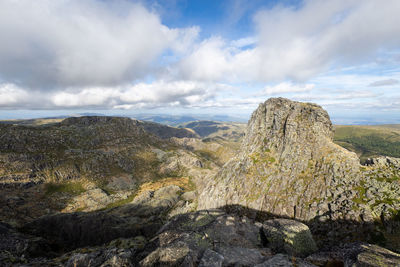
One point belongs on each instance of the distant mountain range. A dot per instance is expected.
(172, 120)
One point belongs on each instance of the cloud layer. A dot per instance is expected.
(119, 54)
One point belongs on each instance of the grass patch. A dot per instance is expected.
(121, 202)
(73, 188)
(183, 182)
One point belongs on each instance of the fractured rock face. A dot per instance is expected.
(288, 164)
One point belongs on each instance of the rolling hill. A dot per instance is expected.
(369, 141)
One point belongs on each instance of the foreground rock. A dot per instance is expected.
(289, 236)
(204, 236)
(356, 254)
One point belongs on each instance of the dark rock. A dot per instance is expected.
(211, 259)
(240, 256)
(281, 260)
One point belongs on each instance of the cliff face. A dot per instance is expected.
(289, 166)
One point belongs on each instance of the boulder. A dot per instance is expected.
(375, 256)
(176, 254)
(289, 236)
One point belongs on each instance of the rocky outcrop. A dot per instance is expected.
(94, 199)
(288, 164)
(289, 167)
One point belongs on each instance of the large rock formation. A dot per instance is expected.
(289, 167)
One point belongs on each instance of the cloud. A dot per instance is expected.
(243, 42)
(55, 43)
(286, 87)
(11, 95)
(96, 54)
(340, 95)
(299, 43)
(140, 95)
(384, 83)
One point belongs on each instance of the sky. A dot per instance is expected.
(199, 57)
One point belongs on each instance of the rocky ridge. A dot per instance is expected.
(86, 164)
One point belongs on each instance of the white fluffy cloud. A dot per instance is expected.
(58, 43)
(12, 95)
(141, 95)
(296, 44)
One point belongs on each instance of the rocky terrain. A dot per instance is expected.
(288, 166)
(106, 191)
(86, 163)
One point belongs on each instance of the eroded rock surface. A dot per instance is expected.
(288, 166)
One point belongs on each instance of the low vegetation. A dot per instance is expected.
(72, 188)
(369, 141)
